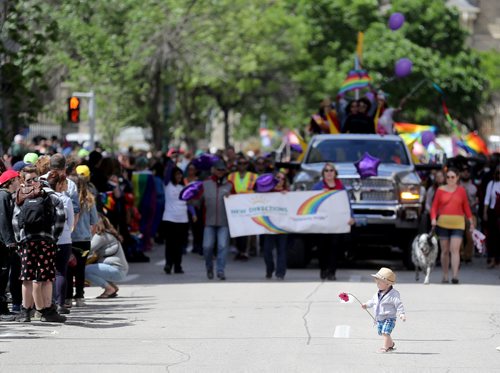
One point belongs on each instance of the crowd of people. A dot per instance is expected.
(70, 218)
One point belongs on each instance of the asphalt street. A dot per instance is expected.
(186, 323)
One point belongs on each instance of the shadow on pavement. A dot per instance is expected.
(253, 271)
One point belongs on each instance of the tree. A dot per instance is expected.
(26, 32)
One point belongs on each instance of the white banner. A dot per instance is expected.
(291, 212)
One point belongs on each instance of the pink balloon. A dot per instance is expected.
(403, 67)
(396, 20)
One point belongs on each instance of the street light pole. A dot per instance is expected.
(92, 108)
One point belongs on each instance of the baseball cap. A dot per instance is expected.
(19, 165)
(83, 170)
(30, 158)
(8, 175)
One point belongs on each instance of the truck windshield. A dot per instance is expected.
(351, 150)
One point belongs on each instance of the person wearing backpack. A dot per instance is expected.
(9, 183)
(38, 221)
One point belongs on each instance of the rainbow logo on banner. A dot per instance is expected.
(311, 205)
(265, 221)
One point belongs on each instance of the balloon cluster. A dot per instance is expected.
(403, 66)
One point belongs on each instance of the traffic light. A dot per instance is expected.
(74, 109)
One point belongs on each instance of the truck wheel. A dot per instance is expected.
(297, 253)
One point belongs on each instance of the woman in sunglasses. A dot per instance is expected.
(449, 207)
(329, 245)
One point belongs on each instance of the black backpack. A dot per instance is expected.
(37, 211)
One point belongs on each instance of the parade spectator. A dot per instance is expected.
(215, 189)
(439, 180)
(467, 249)
(60, 185)
(58, 164)
(491, 216)
(196, 225)
(388, 305)
(265, 184)
(260, 165)
(144, 190)
(81, 237)
(108, 264)
(9, 183)
(175, 223)
(18, 148)
(243, 182)
(449, 207)
(325, 120)
(330, 245)
(360, 122)
(38, 247)
(231, 158)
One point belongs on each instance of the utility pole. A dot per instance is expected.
(90, 95)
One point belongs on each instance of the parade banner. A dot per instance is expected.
(291, 212)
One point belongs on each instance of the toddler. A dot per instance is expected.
(388, 305)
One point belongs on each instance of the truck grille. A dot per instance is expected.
(373, 190)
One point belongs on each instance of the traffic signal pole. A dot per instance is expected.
(92, 108)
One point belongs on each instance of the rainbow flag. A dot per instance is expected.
(295, 138)
(476, 143)
(413, 128)
(356, 79)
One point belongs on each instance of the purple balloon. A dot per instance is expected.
(191, 191)
(296, 148)
(427, 138)
(403, 67)
(396, 20)
(205, 161)
(367, 166)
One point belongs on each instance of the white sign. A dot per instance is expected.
(291, 212)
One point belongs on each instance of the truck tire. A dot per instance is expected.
(405, 246)
(297, 253)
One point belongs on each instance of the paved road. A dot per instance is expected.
(185, 323)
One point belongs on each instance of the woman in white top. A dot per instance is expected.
(175, 223)
(491, 216)
(59, 184)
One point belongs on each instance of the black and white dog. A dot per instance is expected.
(424, 254)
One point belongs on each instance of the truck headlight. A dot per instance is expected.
(409, 193)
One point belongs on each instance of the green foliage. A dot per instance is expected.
(26, 31)
(490, 62)
(278, 58)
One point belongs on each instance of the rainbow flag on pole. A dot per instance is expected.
(356, 79)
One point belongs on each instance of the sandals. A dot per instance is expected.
(384, 350)
(106, 295)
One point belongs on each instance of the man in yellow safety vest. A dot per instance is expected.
(243, 182)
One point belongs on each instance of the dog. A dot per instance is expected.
(424, 252)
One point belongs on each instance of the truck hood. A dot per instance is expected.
(401, 173)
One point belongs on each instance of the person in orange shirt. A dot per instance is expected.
(449, 207)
